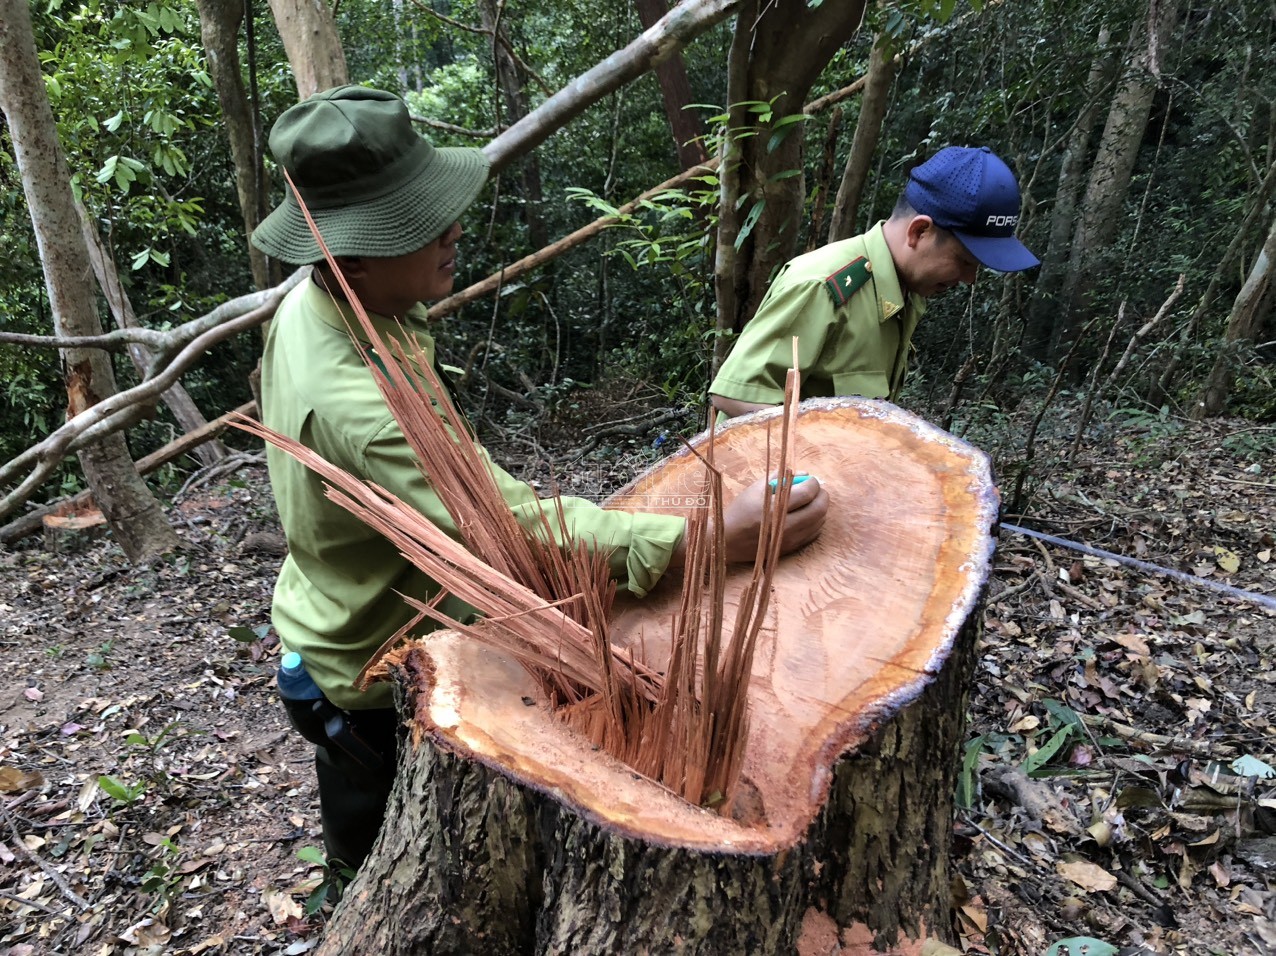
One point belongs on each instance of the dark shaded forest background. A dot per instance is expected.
(1143, 134)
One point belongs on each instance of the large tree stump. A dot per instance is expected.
(508, 833)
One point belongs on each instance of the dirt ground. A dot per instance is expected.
(153, 800)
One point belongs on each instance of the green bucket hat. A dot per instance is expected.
(373, 185)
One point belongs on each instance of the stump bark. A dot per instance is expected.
(509, 834)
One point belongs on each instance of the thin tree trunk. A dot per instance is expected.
(179, 402)
(1250, 310)
(780, 49)
(675, 89)
(219, 22)
(1045, 306)
(134, 516)
(868, 130)
(511, 81)
(1110, 173)
(312, 43)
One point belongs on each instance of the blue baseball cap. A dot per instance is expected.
(973, 194)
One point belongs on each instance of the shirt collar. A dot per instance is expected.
(339, 315)
(890, 297)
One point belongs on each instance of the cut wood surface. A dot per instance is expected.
(863, 618)
(860, 621)
(509, 833)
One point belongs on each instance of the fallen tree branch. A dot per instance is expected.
(638, 425)
(1263, 600)
(126, 407)
(33, 521)
(479, 289)
(1199, 748)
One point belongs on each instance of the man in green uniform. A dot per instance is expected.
(387, 203)
(854, 304)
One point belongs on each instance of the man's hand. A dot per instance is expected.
(742, 519)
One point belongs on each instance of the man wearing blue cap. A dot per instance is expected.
(854, 304)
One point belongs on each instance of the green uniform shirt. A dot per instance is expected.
(335, 601)
(848, 344)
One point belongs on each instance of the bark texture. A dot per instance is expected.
(675, 91)
(219, 23)
(1109, 181)
(868, 130)
(312, 43)
(777, 52)
(508, 834)
(135, 517)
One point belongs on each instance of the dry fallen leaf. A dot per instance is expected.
(1086, 875)
(1228, 560)
(282, 907)
(12, 780)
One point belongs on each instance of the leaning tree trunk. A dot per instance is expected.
(183, 408)
(1250, 310)
(134, 516)
(1100, 213)
(508, 833)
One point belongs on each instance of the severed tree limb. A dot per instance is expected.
(163, 345)
(479, 289)
(125, 407)
(1200, 748)
(454, 129)
(1142, 333)
(32, 522)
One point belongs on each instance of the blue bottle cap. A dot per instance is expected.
(291, 661)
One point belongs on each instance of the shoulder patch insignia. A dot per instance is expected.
(848, 280)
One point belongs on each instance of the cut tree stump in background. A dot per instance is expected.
(507, 833)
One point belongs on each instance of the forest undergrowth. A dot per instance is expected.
(1116, 783)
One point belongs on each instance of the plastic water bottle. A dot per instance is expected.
(315, 717)
(295, 682)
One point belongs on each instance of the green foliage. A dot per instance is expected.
(120, 792)
(968, 774)
(1063, 726)
(132, 97)
(168, 732)
(99, 658)
(335, 877)
(163, 880)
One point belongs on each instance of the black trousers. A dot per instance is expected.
(352, 794)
